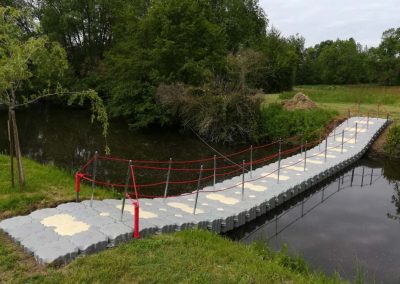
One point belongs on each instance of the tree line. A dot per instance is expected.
(195, 64)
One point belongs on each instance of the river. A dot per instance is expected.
(349, 222)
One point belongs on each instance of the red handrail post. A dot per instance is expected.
(136, 233)
(78, 177)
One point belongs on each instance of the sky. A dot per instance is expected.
(318, 20)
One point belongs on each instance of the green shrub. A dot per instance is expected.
(392, 145)
(218, 116)
(280, 123)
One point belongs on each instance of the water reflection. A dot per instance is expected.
(340, 223)
(305, 203)
(395, 201)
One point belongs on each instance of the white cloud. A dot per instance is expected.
(319, 20)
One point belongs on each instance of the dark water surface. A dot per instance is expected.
(351, 220)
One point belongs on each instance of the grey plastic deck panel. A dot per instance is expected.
(58, 235)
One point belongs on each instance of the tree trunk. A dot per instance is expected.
(10, 139)
(20, 166)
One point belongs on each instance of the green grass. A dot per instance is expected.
(342, 98)
(351, 94)
(281, 123)
(46, 186)
(186, 257)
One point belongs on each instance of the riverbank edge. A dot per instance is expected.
(258, 261)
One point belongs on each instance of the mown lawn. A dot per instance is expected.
(185, 257)
(343, 98)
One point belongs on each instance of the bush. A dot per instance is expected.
(392, 145)
(216, 115)
(277, 122)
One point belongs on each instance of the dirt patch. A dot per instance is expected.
(299, 101)
(377, 148)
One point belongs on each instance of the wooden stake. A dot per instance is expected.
(18, 155)
(11, 142)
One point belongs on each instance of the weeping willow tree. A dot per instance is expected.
(27, 58)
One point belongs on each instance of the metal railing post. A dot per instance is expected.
(326, 147)
(320, 136)
(305, 156)
(348, 117)
(352, 178)
(128, 175)
(362, 177)
(334, 132)
(197, 192)
(342, 139)
(78, 177)
(251, 161)
(215, 170)
(167, 181)
(372, 174)
(367, 120)
(378, 109)
(243, 179)
(279, 158)
(355, 135)
(94, 176)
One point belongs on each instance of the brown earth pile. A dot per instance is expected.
(299, 101)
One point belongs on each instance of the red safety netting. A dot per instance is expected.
(214, 172)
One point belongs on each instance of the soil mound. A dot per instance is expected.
(299, 101)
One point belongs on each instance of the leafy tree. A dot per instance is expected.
(27, 60)
(173, 42)
(334, 62)
(82, 27)
(279, 64)
(388, 58)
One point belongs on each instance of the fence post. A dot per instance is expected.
(320, 136)
(342, 139)
(348, 116)
(136, 234)
(78, 177)
(94, 176)
(362, 177)
(378, 109)
(251, 161)
(305, 156)
(215, 170)
(128, 175)
(279, 157)
(167, 181)
(367, 120)
(355, 136)
(372, 174)
(334, 131)
(243, 179)
(326, 147)
(198, 188)
(352, 178)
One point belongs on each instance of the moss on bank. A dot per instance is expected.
(192, 256)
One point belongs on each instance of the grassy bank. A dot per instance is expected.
(46, 186)
(190, 256)
(340, 99)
